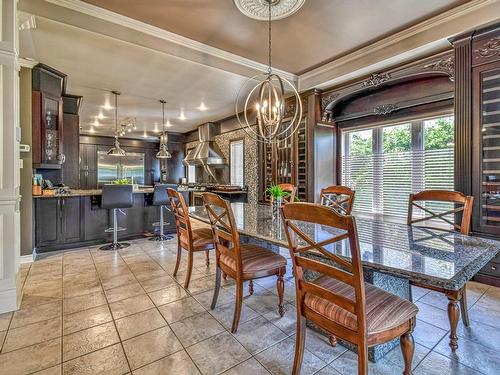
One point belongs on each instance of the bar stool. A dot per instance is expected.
(160, 198)
(116, 197)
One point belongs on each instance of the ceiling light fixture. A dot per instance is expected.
(182, 115)
(202, 107)
(96, 123)
(267, 98)
(100, 116)
(116, 150)
(163, 153)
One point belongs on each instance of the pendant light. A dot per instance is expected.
(116, 150)
(265, 102)
(163, 153)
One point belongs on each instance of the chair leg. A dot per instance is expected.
(407, 348)
(332, 340)
(217, 288)
(463, 308)
(250, 287)
(280, 285)
(207, 258)
(178, 261)
(362, 359)
(300, 340)
(237, 308)
(189, 270)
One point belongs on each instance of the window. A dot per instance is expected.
(385, 164)
(191, 172)
(236, 161)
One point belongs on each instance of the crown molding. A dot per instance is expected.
(27, 63)
(425, 29)
(130, 23)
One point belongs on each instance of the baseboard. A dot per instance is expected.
(26, 259)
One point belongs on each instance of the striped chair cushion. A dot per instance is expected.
(202, 239)
(255, 259)
(383, 310)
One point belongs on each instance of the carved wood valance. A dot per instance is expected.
(438, 65)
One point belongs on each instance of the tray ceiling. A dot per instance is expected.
(320, 31)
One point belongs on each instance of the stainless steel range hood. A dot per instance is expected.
(207, 153)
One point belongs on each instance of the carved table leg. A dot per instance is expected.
(453, 316)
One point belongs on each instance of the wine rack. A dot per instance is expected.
(489, 104)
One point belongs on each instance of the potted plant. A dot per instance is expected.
(277, 194)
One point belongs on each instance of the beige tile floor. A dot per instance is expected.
(87, 311)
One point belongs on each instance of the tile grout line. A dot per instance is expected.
(156, 307)
(110, 312)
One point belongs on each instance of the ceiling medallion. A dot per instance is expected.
(259, 9)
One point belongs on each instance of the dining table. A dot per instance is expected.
(394, 254)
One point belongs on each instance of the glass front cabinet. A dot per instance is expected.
(47, 131)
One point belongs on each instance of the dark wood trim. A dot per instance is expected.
(463, 115)
(441, 64)
(487, 279)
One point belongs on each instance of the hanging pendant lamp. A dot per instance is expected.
(265, 102)
(163, 153)
(116, 150)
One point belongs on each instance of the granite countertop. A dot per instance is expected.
(428, 256)
(89, 192)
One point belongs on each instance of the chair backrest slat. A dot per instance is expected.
(454, 197)
(291, 190)
(349, 273)
(340, 198)
(226, 236)
(181, 215)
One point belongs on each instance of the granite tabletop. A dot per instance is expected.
(428, 256)
(89, 192)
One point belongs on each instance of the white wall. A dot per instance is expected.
(9, 157)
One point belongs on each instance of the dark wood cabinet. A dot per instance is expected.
(47, 222)
(70, 212)
(47, 131)
(88, 166)
(477, 130)
(58, 221)
(48, 86)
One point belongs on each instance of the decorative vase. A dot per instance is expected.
(277, 202)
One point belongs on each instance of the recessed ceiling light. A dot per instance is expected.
(107, 106)
(182, 116)
(168, 123)
(96, 123)
(202, 107)
(129, 130)
(91, 130)
(100, 116)
(145, 135)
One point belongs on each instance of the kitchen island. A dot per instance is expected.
(76, 219)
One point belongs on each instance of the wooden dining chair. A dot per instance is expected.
(240, 261)
(340, 198)
(462, 204)
(338, 300)
(192, 238)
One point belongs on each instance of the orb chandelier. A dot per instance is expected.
(265, 102)
(163, 153)
(116, 150)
